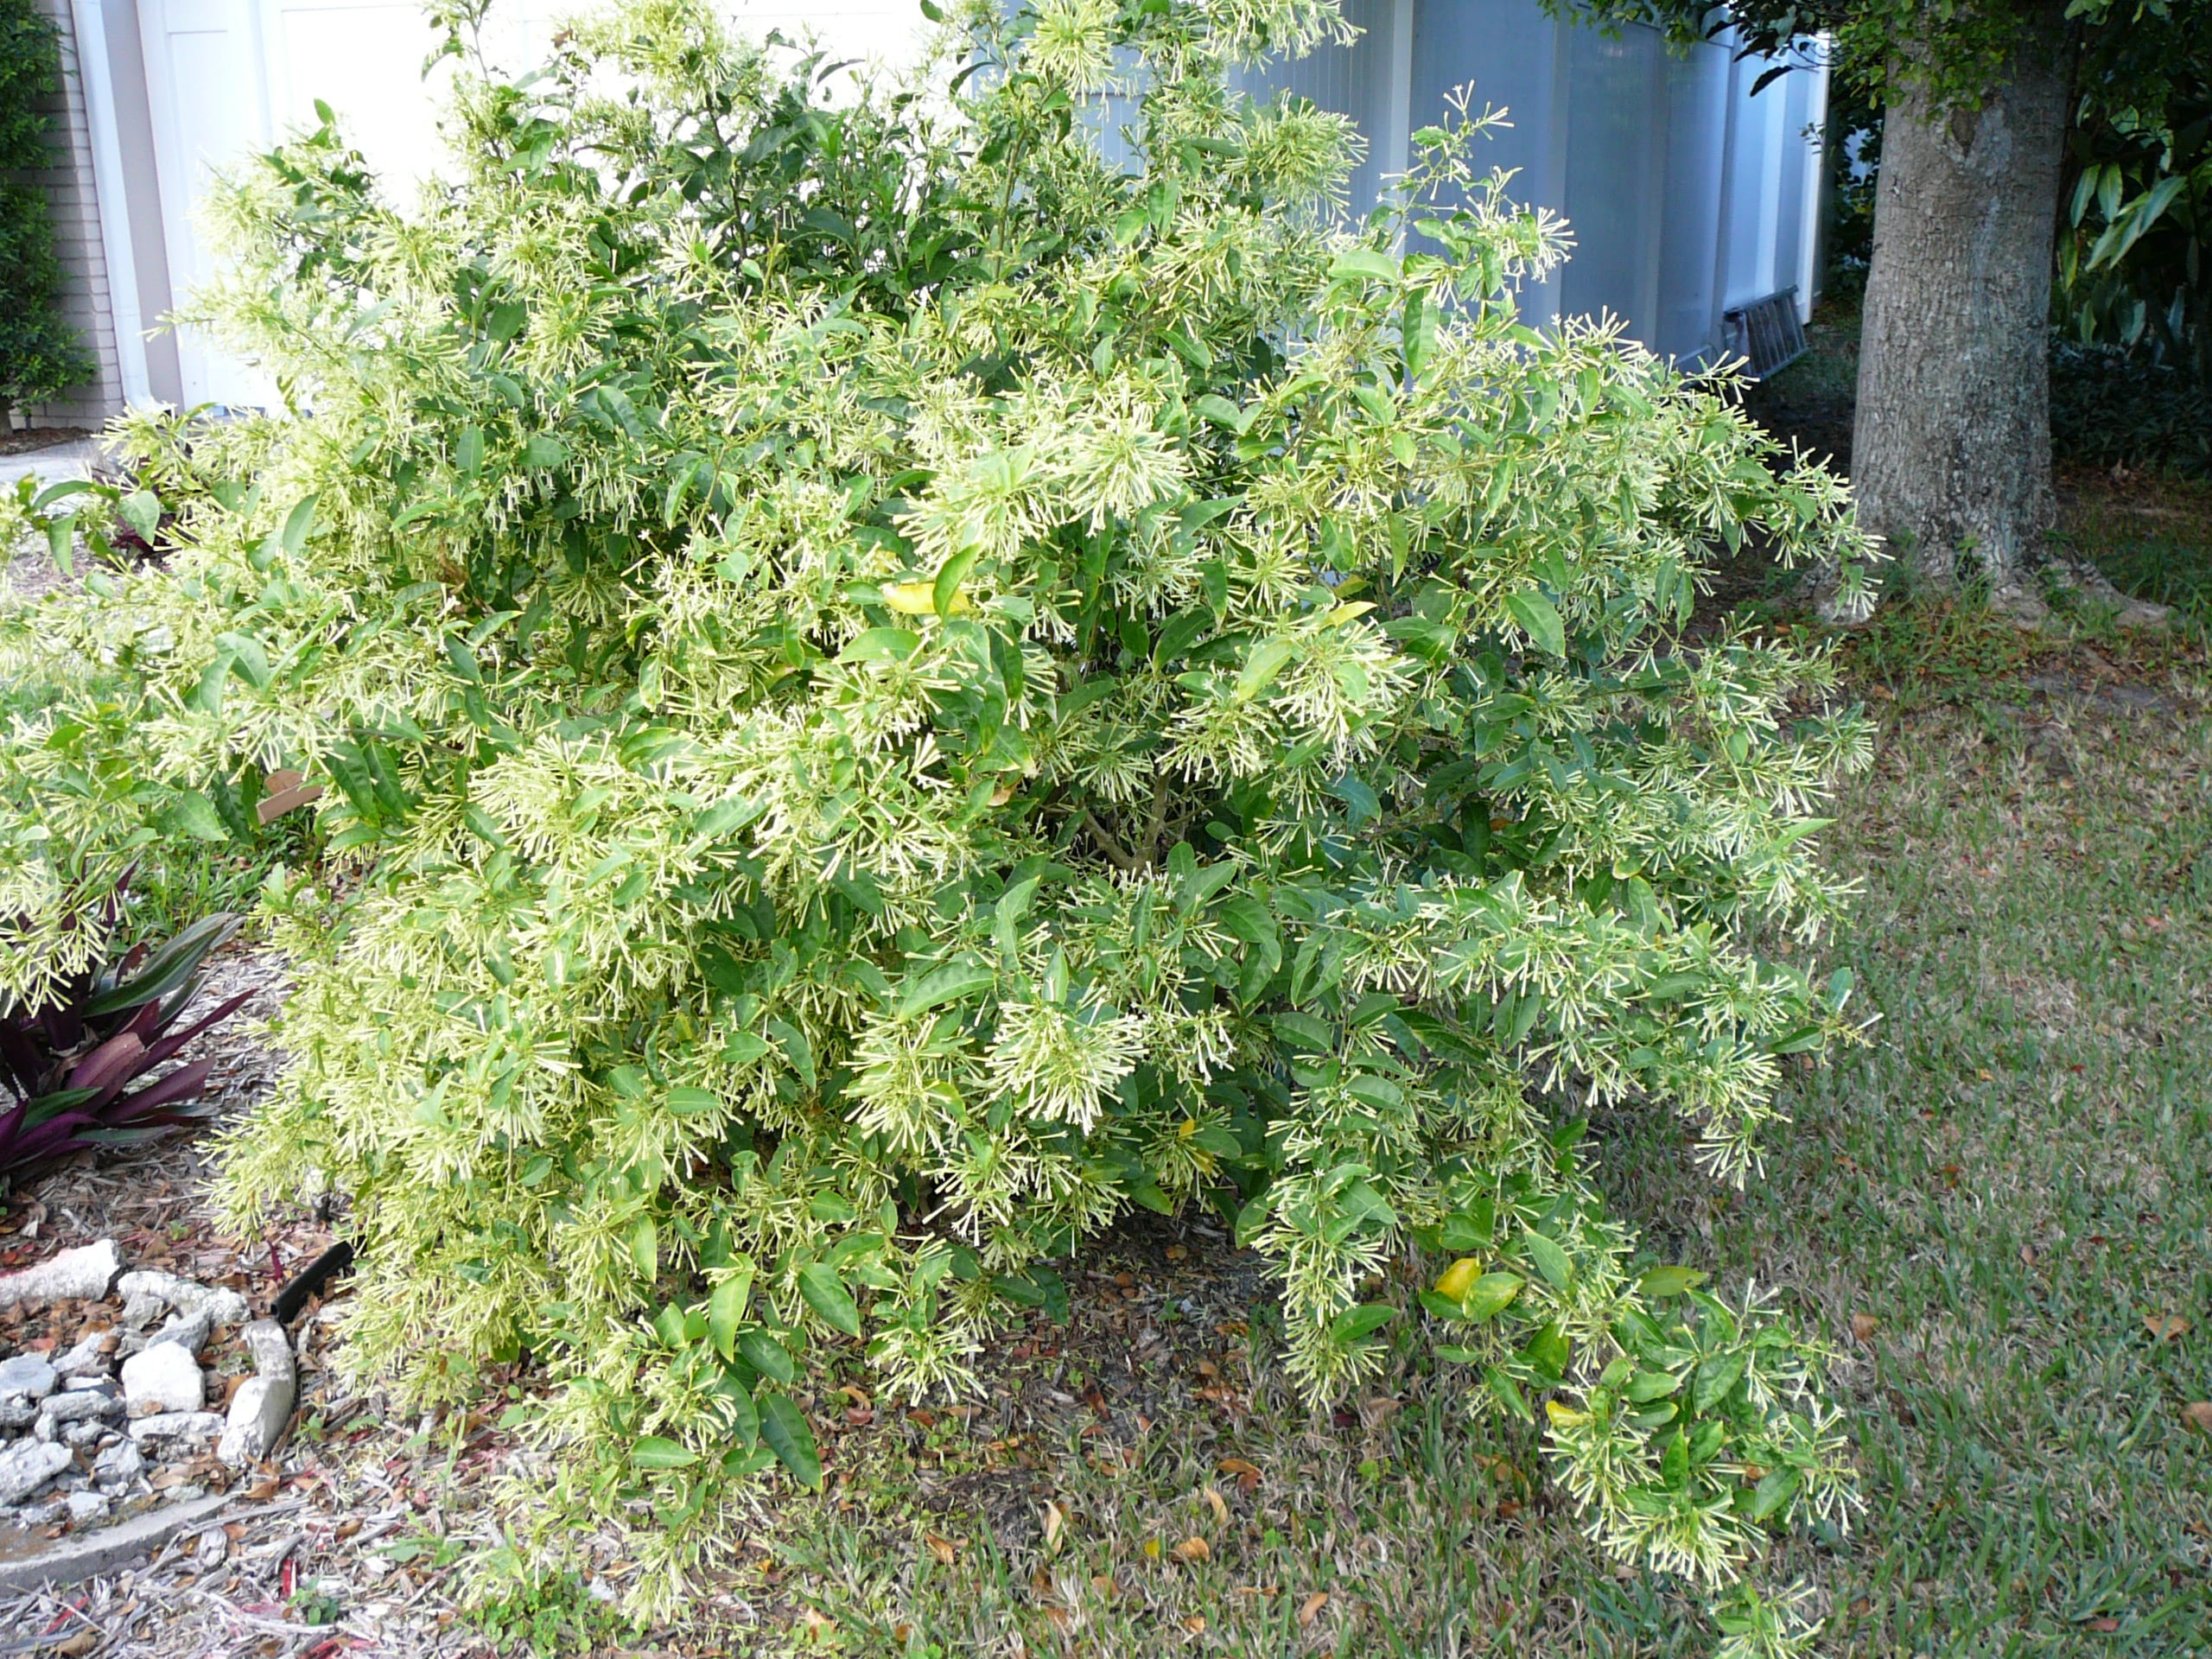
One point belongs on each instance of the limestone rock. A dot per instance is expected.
(141, 1311)
(28, 1374)
(92, 1356)
(85, 1508)
(29, 1465)
(165, 1378)
(188, 1330)
(263, 1405)
(75, 1405)
(221, 1307)
(167, 1427)
(121, 1461)
(79, 1275)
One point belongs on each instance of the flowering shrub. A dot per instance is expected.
(889, 689)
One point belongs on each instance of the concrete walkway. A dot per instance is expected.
(71, 459)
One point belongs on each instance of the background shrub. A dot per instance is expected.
(40, 354)
(889, 689)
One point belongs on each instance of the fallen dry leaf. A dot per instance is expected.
(2164, 1327)
(1105, 1586)
(2199, 1411)
(1191, 1550)
(83, 1642)
(1310, 1609)
(942, 1548)
(1056, 1521)
(1248, 1475)
(1863, 1327)
(1217, 1505)
(1196, 1624)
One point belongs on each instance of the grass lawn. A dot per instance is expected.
(1999, 1212)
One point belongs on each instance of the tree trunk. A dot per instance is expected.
(1951, 449)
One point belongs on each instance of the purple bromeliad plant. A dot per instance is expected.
(78, 1062)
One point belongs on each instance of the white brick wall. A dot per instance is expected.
(73, 206)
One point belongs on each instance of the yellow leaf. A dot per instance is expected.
(1452, 1284)
(1152, 1549)
(1564, 1416)
(911, 598)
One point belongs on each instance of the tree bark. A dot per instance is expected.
(1951, 444)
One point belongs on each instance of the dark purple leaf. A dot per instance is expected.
(176, 1040)
(180, 1085)
(108, 1067)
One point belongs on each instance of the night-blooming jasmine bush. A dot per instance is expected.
(888, 687)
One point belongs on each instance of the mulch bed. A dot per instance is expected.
(332, 1545)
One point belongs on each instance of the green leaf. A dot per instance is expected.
(169, 967)
(1354, 1323)
(644, 1248)
(1775, 1489)
(743, 1048)
(767, 1356)
(1265, 661)
(950, 984)
(745, 1416)
(654, 1453)
(1715, 1377)
(1364, 265)
(299, 524)
(1670, 1281)
(141, 510)
(687, 1101)
(790, 1436)
(1550, 1260)
(191, 813)
(826, 1295)
(725, 1309)
(1539, 619)
(1547, 1354)
(1219, 410)
(880, 646)
(1417, 334)
(945, 590)
(1489, 1295)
